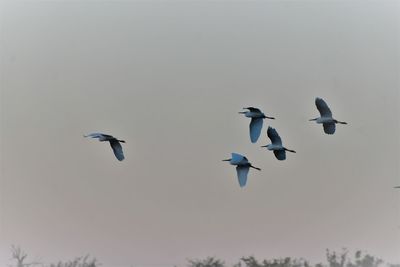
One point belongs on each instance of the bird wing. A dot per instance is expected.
(117, 148)
(274, 136)
(329, 128)
(237, 158)
(242, 172)
(256, 125)
(280, 154)
(94, 135)
(98, 135)
(323, 108)
(253, 109)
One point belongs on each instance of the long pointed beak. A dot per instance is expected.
(226, 160)
(312, 119)
(264, 146)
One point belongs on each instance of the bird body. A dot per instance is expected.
(242, 167)
(114, 143)
(272, 147)
(323, 120)
(276, 144)
(252, 114)
(326, 118)
(256, 124)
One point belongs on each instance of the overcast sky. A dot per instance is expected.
(169, 78)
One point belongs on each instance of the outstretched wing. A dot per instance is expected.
(280, 154)
(274, 136)
(329, 128)
(101, 136)
(253, 109)
(322, 107)
(237, 158)
(117, 148)
(94, 135)
(256, 125)
(242, 172)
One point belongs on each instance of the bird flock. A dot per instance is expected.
(256, 124)
(257, 118)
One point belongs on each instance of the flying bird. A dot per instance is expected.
(114, 143)
(326, 118)
(256, 124)
(276, 144)
(242, 167)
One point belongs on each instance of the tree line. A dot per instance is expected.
(333, 259)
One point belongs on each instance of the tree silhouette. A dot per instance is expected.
(208, 262)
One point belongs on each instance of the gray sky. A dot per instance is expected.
(169, 78)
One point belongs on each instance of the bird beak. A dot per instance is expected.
(312, 119)
(226, 160)
(264, 146)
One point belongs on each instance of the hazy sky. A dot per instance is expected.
(169, 78)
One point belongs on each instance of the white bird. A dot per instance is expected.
(256, 124)
(114, 143)
(326, 118)
(276, 146)
(242, 167)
